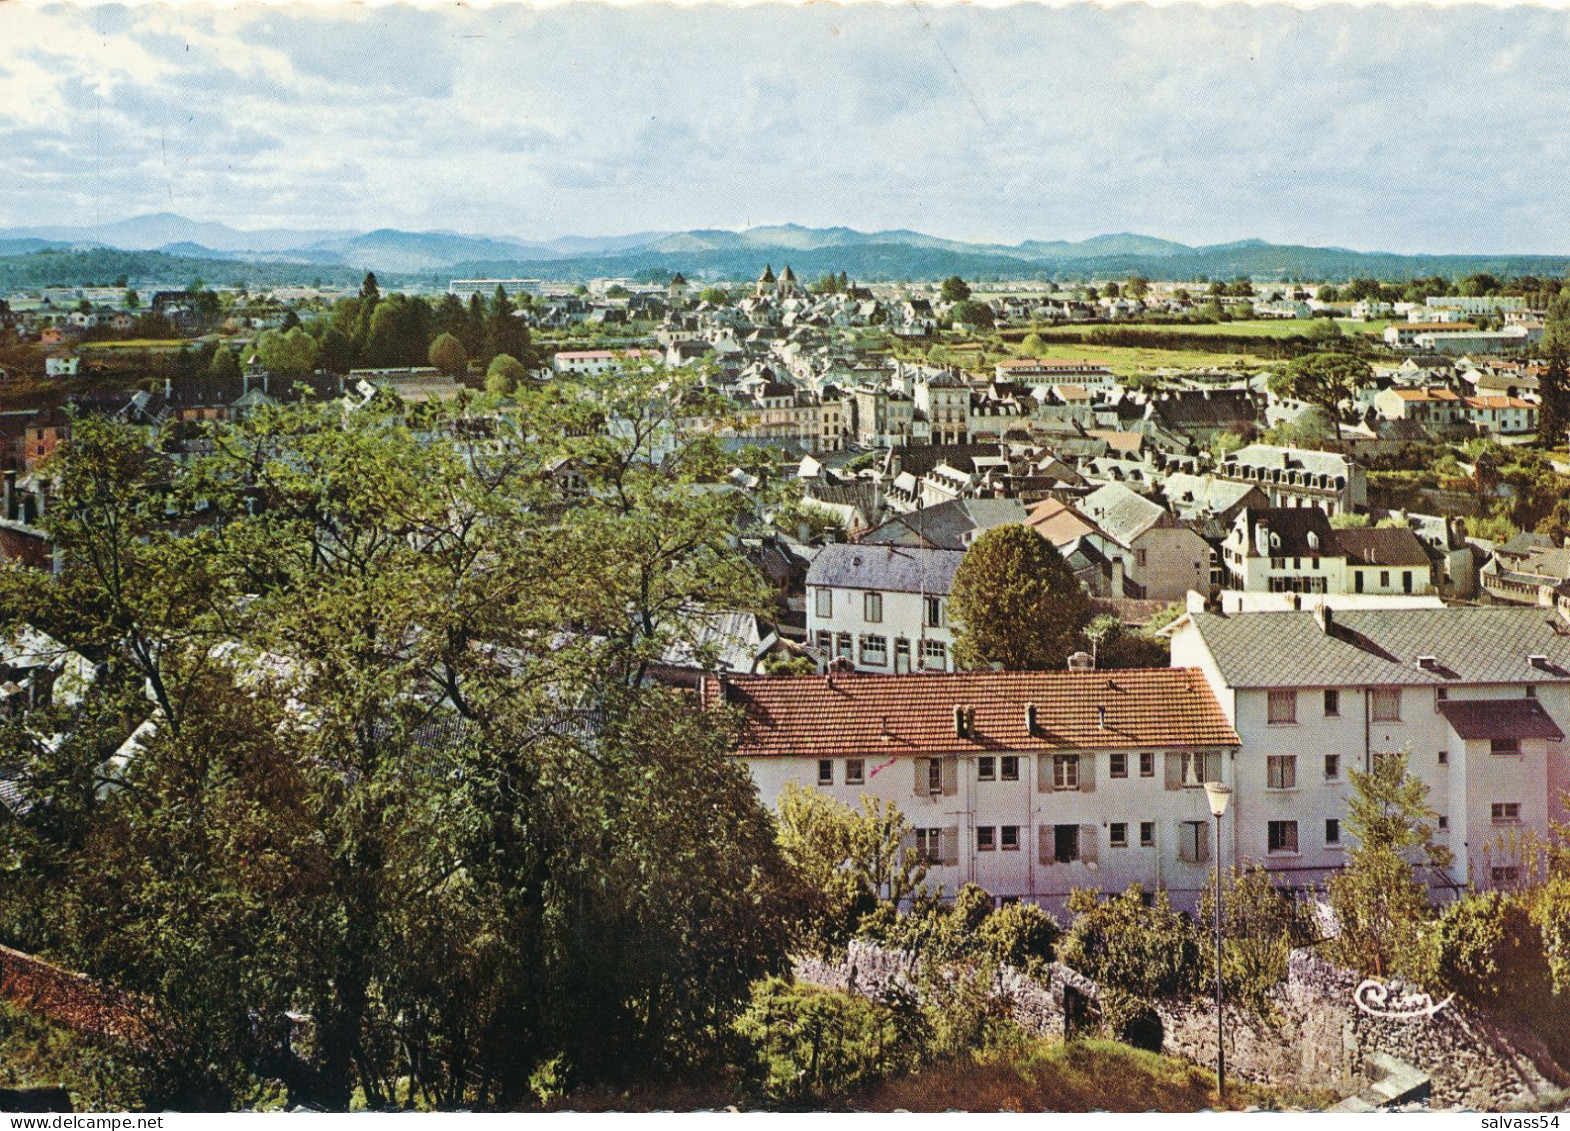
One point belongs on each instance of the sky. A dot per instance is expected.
(1409, 129)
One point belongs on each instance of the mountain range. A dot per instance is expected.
(169, 240)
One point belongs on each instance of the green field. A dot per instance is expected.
(1259, 328)
(1123, 360)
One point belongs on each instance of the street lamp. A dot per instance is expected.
(1218, 794)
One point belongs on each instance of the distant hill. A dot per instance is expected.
(701, 254)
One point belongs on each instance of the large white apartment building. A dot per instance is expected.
(1030, 784)
(1478, 699)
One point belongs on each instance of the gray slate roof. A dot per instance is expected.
(1500, 718)
(1380, 647)
(945, 526)
(892, 569)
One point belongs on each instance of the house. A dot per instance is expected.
(1527, 570)
(62, 363)
(1296, 550)
(1478, 699)
(1404, 335)
(882, 608)
(1162, 556)
(1299, 477)
(1031, 784)
(946, 526)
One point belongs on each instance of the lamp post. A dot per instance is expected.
(1218, 794)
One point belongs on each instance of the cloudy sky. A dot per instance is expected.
(1407, 129)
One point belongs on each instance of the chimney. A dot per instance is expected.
(1101, 716)
(169, 387)
(1030, 718)
(1261, 540)
(1325, 619)
(10, 496)
(960, 722)
(1081, 662)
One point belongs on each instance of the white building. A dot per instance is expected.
(1299, 477)
(1296, 550)
(1030, 784)
(882, 608)
(1478, 699)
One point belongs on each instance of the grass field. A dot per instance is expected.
(1123, 360)
(139, 344)
(1259, 328)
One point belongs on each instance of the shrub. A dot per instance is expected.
(1021, 935)
(1148, 952)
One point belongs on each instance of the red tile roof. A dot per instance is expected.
(884, 716)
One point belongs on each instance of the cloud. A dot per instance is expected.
(1416, 129)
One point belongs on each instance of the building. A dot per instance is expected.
(598, 362)
(1030, 784)
(486, 288)
(882, 608)
(1299, 477)
(1296, 550)
(1477, 699)
(1037, 372)
(1163, 557)
(1405, 335)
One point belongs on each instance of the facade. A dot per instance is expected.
(882, 608)
(1162, 556)
(1038, 372)
(1296, 550)
(1030, 784)
(1477, 699)
(1299, 477)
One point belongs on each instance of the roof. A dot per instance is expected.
(1500, 718)
(1380, 647)
(1284, 459)
(1380, 546)
(1059, 523)
(885, 716)
(894, 569)
(1123, 513)
(1294, 532)
(946, 525)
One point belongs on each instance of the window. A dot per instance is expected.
(1444, 823)
(1010, 767)
(842, 646)
(855, 771)
(825, 771)
(1384, 579)
(1010, 838)
(1504, 746)
(1506, 812)
(1147, 834)
(1332, 832)
(1193, 842)
(1117, 836)
(986, 839)
(1440, 695)
(825, 641)
(1120, 765)
(1387, 704)
(1444, 757)
(825, 602)
(934, 775)
(1147, 765)
(1281, 771)
(1139, 559)
(1531, 691)
(1065, 843)
(1281, 836)
(934, 654)
(986, 768)
(872, 608)
(929, 845)
(1193, 768)
(932, 612)
(1283, 707)
(1332, 703)
(875, 651)
(1332, 767)
(1065, 771)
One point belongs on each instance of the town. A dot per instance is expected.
(991, 589)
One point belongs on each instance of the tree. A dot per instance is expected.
(448, 355)
(370, 292)
(1032, 345)
(1554, 391)
(1380, 904)
(291, 356)
(1016, 603)
(1137, 287)
(505, 375)
(336, 352)
(1328, 293)
(955, 289)
(714, 296)
(1323, 379)
(972, 313)
(224, 366)
(132, 300)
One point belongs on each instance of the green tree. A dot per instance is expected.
(132, 300)
(225, 366)
(972, 313)
(955, 289)
(1323, 379)
(1016, 603)
(1553, 418)
(290, 356)
(714, 296)
(448, 355)
(336, 352)
(1033, 345)
(505, 375)
(1381, 905)
(1137, 287)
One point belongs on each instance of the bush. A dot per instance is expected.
(1147, 952)
(1021, 935)
(1262, 925)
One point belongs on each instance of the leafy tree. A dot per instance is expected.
(616, 290)
(1016, 603)
(1148, 952)
(448, 355)
(132, 300)
(505, 375)
(290, 356)
(1553, 419)
(1328, 293)
(1033, 345)
(225, 366)
(1380, 904)
(972, 313)
(1112, 290)
(336, 352)
(955, 289)
(714, 296)
(504, 332)
(1262, 924)
(1137, 287)
(1323, 379)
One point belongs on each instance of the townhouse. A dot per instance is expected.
(1478, 699)
(1030, 784)
(1299, 477)
(1296, 550)
(881, 608)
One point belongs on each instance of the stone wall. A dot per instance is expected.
(1321, 1039)
(69, 999)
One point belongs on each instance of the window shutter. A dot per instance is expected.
(1043, 773)
(907, 841)
(921, 776)
(1044, 845)
(950, 845)
(1213, 765)
(950, 776)
(1186, 843)
(1087, 843)
(1174, 770)
(1087, 773)
(1204, 842)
